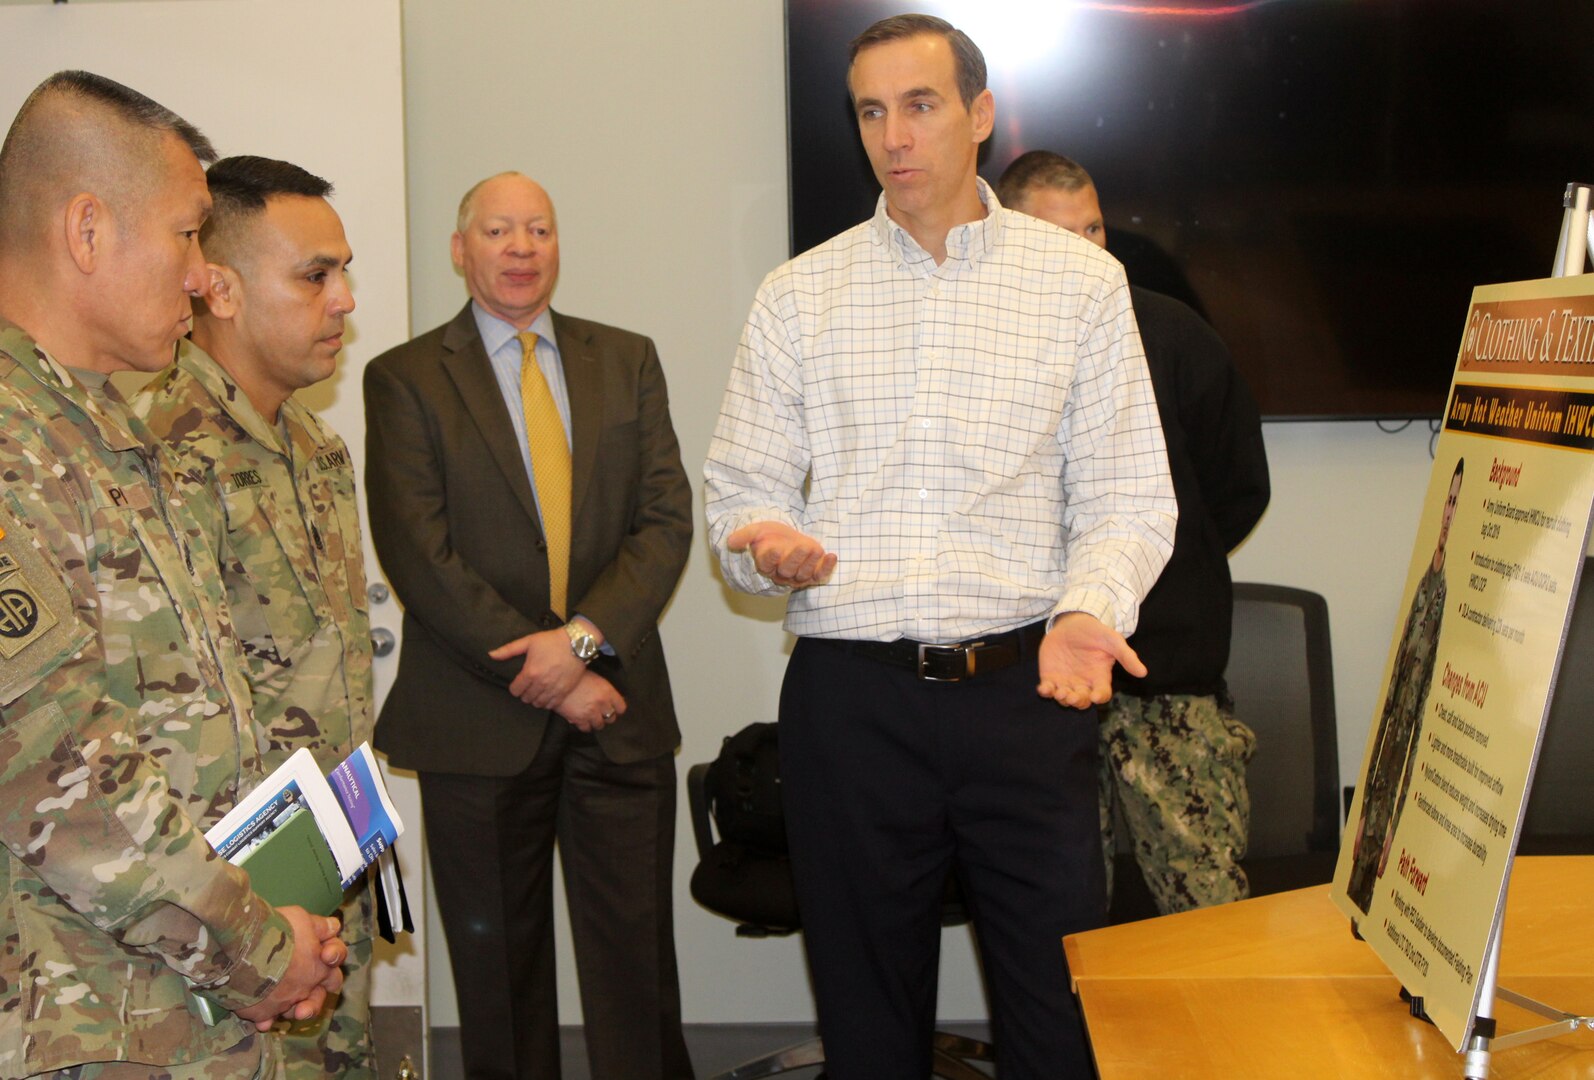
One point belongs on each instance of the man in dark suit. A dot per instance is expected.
(529, 506)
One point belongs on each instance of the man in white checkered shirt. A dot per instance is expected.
(940, 438)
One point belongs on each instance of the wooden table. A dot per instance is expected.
(1277, 987)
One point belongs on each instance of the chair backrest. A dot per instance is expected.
(1281, 675)
(1559, 806)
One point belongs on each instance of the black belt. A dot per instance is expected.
(952, 663)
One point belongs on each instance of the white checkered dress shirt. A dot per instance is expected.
(977, 442)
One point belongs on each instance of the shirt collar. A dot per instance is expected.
(204, 369)
(496, 333)
(118, 428)
(296, 426)
(967, 242)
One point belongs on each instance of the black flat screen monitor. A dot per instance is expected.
(1325, 180)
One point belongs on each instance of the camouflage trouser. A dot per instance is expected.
(1175, 765)
(338, 1042)
(256, 1058)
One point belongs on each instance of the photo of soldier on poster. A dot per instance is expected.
(1400, 723)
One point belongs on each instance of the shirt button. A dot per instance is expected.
(924, 423)
(924, 493)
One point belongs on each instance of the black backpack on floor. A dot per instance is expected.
(744, 791)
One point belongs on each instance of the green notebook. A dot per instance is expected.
(295, 866)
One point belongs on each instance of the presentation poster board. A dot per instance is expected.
(1426, 855)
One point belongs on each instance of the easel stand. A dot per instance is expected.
(1483, 1042)
(1571, 254)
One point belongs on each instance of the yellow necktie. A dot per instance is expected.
(550, 468)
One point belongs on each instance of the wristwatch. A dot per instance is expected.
(582, 644)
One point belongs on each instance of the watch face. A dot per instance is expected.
(583, 644)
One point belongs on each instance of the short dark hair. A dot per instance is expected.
(244, 182)
(968, 61)
(240, 187)
(77, 124)
(132, 107)
(1040, 169)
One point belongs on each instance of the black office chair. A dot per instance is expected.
(1281, 676)
(1560, 814)
(755, 891)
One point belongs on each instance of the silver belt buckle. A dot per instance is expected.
(968, 661)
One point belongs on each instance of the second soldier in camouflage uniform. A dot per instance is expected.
(124, 710)
(275, 490)
(1173, 755)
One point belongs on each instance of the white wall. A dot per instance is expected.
(659, 129)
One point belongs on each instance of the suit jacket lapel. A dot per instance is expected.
(465, 361)
(584, 383)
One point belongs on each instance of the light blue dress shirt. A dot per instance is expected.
(503, 352)
(502, 343)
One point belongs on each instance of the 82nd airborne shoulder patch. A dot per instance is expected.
(25, 603)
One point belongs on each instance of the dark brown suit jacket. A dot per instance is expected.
(454, 522)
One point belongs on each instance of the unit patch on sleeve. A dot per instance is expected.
(25, 614)
(33, 601)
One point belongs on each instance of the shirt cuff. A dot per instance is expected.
(1097, 602)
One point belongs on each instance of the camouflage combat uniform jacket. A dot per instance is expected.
(279, 505)
(124, 733)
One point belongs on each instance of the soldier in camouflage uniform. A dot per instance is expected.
(125, 728)
(1173, 754)
(1394, 750)
(274, 488)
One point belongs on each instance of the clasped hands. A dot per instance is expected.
(314, 971)
(551, 677)
(1076, 657)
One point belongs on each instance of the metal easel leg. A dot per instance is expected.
(1485, 1041)
(1563, 1022)
(1577, 232)
(1479, 1043)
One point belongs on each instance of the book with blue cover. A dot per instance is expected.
(357, 784)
